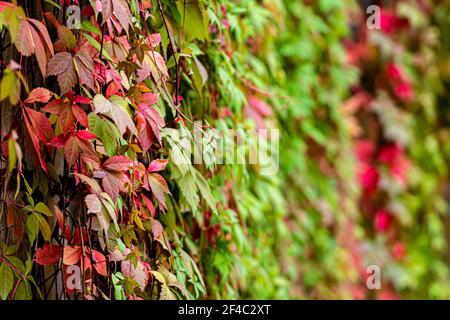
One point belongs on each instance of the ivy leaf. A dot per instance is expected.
(116, 108)
(121, 116)
(42, 208)
(166, 293)
(112, 183)
(44, 227)
(153, 64)
(48, 255)
(41, 125)
(10, 16)
(64, 112)
(59, 63)
(113, 177)
(157, 228)
(43, 34)
(23, 291)
(149, 124)
(122, 13)
(196, 21)
(62, 66)
(108, 205)
(149, 98)
(100, 263)
(137, 273)
(38, 128)
(158, 186)
(93, 203)
(39, 95)
(10, 86)
(205, 190)
(106, 131)
(85, 67)
(76, 146)
(85, 135)
(157, 165)
(107, 10)
(118, 163)
(71, 255)
(92, 183)
(31, 39)
(80, 115)
(6, 280)
(32, 227)
(24, 41)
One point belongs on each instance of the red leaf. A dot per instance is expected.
(62, 66)
(48, 255)
(80, 115)
(107, 9)
(80, 235)
(86, 135)
(158, 186)
(85, 67)
(75, 147)
(149, 98)
(113, 183)
(118, 163)
(59, 63)
(35, 141)
(71, 255)
(82, 100)
(122, 13)
(259, 106)
(62, 225)
(149, 204)
(72, 150)
(44, 34)
(39, 51)
(149, 123)
(58, 141)
(24, 40)
(157, 165)
(100, 263)
(39, 95)
(41, 125)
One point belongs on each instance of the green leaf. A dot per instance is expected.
(97, 46)
(205, 191)
(106, 131)
(166, 293)
(23, 291)
(32, 227)
(195, 20)
(10, 87)
(44, 227)
(18, 264)
(87, 26)
(189, 190)
(6, 280)
(53, 4)
(42, 208)
(11, 154)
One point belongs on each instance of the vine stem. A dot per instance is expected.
(177, 66)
